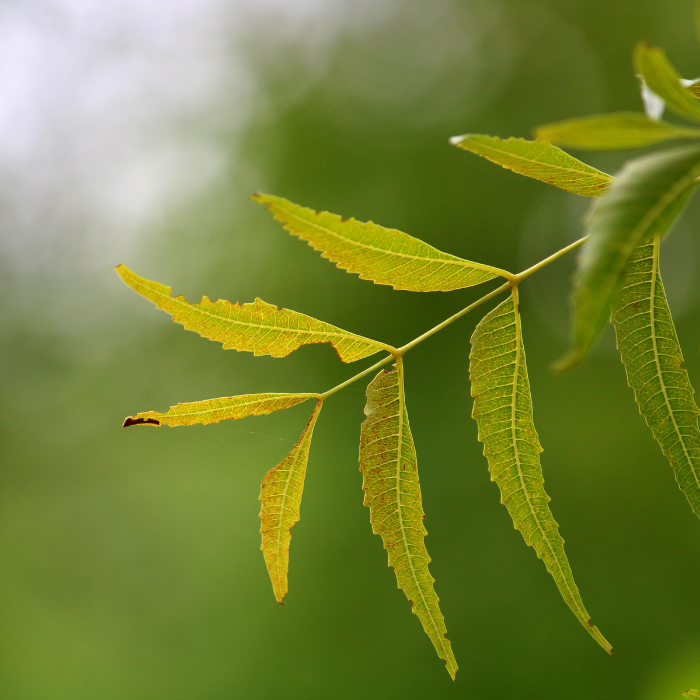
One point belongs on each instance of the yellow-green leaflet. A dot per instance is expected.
(646, 198)
(215, 410)
(383, 255)
(503, 412)
(652, 358)
(662, 78)
(691, 693)
(392, 492)
(610, 132)
(539, 160)
(280, 496)
(260, 328)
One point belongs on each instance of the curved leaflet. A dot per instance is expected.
(383, 255)
(392, 491)
(503, 412)
(539, 160)
(648, 344)
(646, 199)
(260, 328)
(280, 496)
(610, 132)
(216, 410)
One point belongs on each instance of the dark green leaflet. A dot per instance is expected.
(652, 358)
(503, 412)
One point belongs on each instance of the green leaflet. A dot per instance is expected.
(539, 160)
(662, 78)
(691, 693)
(383, 255)
(609, 132)
(646, 198)
(280, 496)
(652, 358)
(503, 412)
(392, 492)
(260, 328)
(216, 410)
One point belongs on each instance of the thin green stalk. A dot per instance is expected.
(513, 282)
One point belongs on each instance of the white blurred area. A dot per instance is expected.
(114, 115)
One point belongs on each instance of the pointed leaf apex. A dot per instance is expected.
(572, 359)
(456, 140)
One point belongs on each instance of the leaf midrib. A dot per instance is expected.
(592, 172)
(399, 457)
(652, 321)
(518, 353)
(198, 309)
(449, 260)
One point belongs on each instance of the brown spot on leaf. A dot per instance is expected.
(139, 421)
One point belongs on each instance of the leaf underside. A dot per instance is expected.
(646, 199)
(385, 256)
(662, 78)
(280, 496)
(503, 412)
(216, 410)
(608, 132)
(539, 160)
(260, 328)
(651, 354)
(392, 491)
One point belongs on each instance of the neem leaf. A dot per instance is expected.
(692, 693)
(280, 496)
(503, 412)
(645, 200)
(392, 491)
(539, 160)
(609, 132)
(662, 78)
(383, 255)
(652, 358)
(216, 410)
(259, 328)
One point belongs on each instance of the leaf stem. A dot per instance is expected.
(543, 263)
(514, 280)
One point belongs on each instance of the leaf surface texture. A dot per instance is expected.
(383, 255)
(539, 160)
(280, 496)
(646, 199)
(609, 132)
(652, 358)
(260, 328)
(503, 412)
(216, 410)
(663, 79)
(392, 491)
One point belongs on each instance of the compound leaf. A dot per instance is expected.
(663, 79)
(216, 410)
(539, 160)
(503, 412)
(280, 496)
(258, 327)
(392, 492)
(610, 132)
(646, 198)
(383, 255)
(652, 358)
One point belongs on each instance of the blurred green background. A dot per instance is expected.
(129, 559)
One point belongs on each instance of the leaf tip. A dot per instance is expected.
(135, 420)
(572, 359)
(456, 140)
